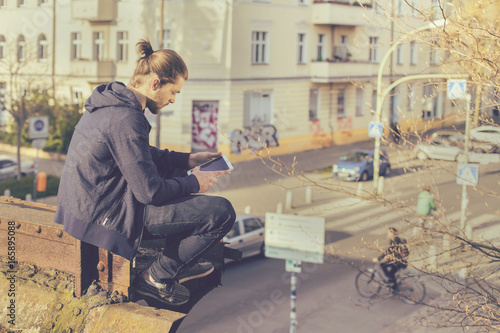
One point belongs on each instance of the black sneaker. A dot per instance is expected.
(171, 293)
(196, 271)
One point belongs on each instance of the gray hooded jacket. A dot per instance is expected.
(111, 173)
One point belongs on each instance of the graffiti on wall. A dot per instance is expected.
(255, 138)
(320, 137)
(204, 126)
(344, 126)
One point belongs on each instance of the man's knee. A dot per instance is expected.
(226, 214)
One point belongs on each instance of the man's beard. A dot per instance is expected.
(153, 107)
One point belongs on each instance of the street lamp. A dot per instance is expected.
(378, 110)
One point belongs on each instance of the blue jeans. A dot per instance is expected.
(190, 225)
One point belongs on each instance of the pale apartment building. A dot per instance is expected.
(289, 74)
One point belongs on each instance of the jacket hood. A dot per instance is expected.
(113, 94)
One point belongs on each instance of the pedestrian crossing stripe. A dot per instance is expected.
(375, 129)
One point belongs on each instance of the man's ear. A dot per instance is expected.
(155, 84)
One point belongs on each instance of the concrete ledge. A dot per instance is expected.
(43, 302)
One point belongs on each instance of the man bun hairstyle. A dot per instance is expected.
(167, 64)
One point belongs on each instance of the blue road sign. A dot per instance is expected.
(467, 174)
(375, 129)
(457, 89)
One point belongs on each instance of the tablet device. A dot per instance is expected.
(217, 164)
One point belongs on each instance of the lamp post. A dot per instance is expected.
(378, 110)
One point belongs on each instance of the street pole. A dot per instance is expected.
(160, 37)
(465, 197)
(378, 110)
(293, 298)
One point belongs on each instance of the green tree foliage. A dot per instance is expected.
(62, 121)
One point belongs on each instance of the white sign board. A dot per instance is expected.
(39, 127)
(467, 174)
(39, 143)
(375, 129)
(295, 237)
(457, 89)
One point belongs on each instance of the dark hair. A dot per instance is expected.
(167, 64)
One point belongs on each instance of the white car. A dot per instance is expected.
(8, 168)
(247, 235)
(487, 133)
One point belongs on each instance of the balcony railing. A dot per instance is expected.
(341, 71)
(347, 13)
(93, 10)
(98, 71)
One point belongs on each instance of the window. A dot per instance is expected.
(302, 2)
(21, 49)
(257, 108)
(260, 47)
(374, 100)
(399, 54)
(122, 47)
(313, 104)
(321, 47)
(98, 46)
(359, 101)
(3, 93)
(2, 3)
(20, 3)
(77, 95)
(410, 106)
(341, 103)
(400, 9)
(235, 231)
(3, 49)
(301, 48)
(76, 45)
(41, 2)
(413, 53)
(167, 39)
(42, 48)
(252, 224)
(373, 53)
(433, 54)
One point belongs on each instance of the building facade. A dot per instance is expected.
(290, 75)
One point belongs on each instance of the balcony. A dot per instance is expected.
(341, 71)
(94, 71)
(93, 10)
(340, 12)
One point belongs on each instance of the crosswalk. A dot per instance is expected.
(356, 216)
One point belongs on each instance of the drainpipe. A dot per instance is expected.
(54, 50)
(160, 37)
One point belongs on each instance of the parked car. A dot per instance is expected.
(358, 165)
(448, 145)
(247, 235)
(487, 133)
(8, 168)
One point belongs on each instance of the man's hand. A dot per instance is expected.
(200, 158)
(207, 178)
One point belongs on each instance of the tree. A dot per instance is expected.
(470, 288)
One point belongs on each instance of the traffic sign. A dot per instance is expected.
(467, 174)
(39, 127)
(457, 89)
(294, 237)
(375, 129)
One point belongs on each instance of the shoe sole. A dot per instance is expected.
(159, 298)
(192, 277)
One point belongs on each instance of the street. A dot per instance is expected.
(254, 296)
(326, 297)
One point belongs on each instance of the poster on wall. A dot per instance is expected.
(204, 126)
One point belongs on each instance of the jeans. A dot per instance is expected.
(190, 225)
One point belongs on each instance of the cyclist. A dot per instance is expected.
(394, 258)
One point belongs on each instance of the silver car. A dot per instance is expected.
(8, 168)
(247, 235)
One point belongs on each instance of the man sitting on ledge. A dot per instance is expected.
(115, 187)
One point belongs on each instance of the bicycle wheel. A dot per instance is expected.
(411, 290)
(367, 284)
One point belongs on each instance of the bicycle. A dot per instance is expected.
(370, 282)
